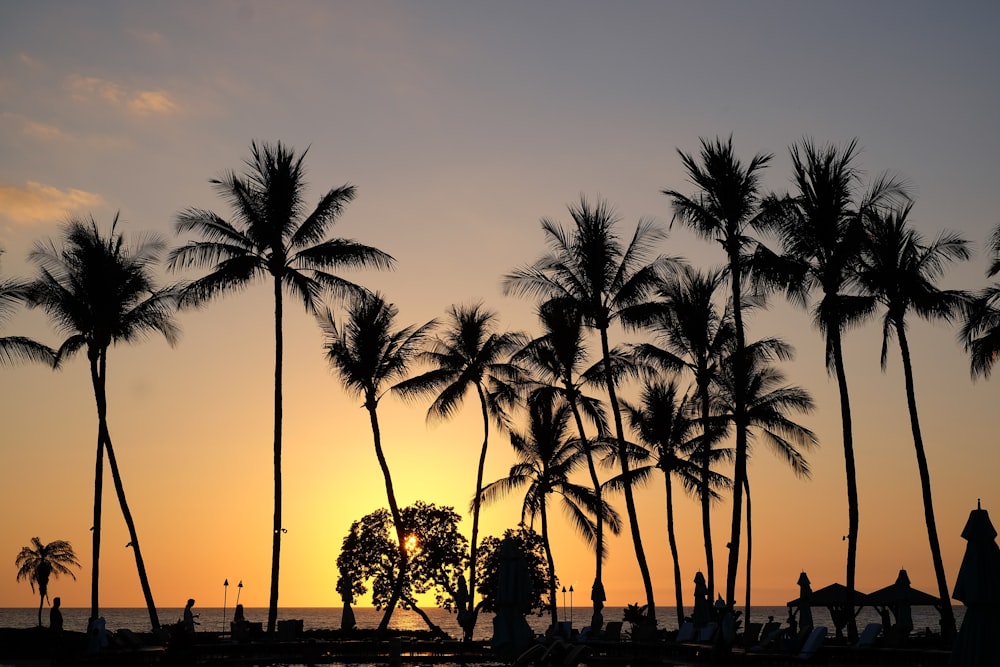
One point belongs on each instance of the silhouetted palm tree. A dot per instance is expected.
(554, 362)
(899, 270)
(590, 271)
(547, 456)
(99, 291)
(271, 234)
(667, 428)
(724, 208)
(769, 404)
(469, 355)
(38, 562)
(821, 232)
(692, 332)
(369, 355)
(981, 328)
(18, 348)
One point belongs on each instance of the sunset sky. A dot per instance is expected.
(462, 125)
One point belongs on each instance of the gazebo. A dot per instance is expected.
(834, 598)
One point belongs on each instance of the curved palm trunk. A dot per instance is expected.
(41, 603)
(852, 481)
(595, 620)
(97, 379)
(397, 519)
(272, 608)
(633, 518)
(672, 539)
(551, 565)
(476, 504)
(739, 408)
(140, 565)
(947, 615)
(431, 625)
(706, 499)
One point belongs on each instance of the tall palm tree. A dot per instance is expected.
(99, 291)
(666, 425)
(18, 348)
(767, 414)
(899, 269)
(981, 328)
(555, 361)
(369, 355)
(724, 209)
(469, 355)
(38, 562)
(271, 234)
(692, 332)
(547, 457)
(590, 271)
(821, 232)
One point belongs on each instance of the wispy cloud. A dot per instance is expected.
(85, 89)
(39, 203)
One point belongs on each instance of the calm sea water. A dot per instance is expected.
(215, 619)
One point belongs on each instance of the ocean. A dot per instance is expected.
(215, 619)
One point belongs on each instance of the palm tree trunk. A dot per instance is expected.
(550, 561)
(41, 603)
(147, 593)
(706, 498)
(746, 609)
(947, 615)
(739, 409)
(371, 404)
(272, 608)
(596, 592)
(852, 481)
(96, 378)
(633, 518)
(476, 504)
(672, 539)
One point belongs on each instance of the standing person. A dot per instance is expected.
(189, 617)
(55, 617)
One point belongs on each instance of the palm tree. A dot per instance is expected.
(100, 291)
(469, 355)
(38, 562)
(899, 269)
(981, 329)
(272, 234)
(368, 356)
(18, 348)
(694, 334)
(820, 229)
(725, 207)
(589, 270)
(554, 362)
(769, 402)
(547, 456)
(666, 425)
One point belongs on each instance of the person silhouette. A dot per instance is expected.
(189, 617)
(56, 617)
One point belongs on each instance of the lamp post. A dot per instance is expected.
(571, 606)
(225, 592)
(239, 589)
(564, 601)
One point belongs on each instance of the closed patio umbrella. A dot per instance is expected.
(978, 588)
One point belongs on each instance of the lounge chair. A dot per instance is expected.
(706, 634)
(813, 643)
(752, 634)
(612, 632)
(868, 636)
(686, 633)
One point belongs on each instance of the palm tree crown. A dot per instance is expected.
(981, 329)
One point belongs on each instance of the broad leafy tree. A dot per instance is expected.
(530, 544)
(39, 562)
(272, 234)
(369, 354)
(724, 208)
(900, 270)
(470, 354)
(99, 290)
(591, 271)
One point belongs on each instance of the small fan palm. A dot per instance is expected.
(39, 562)
(369, 354)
